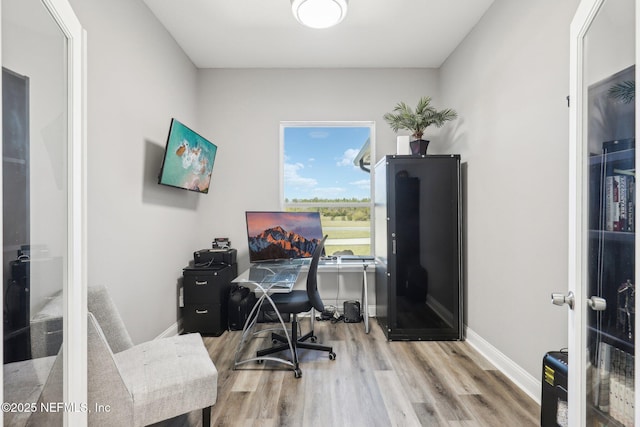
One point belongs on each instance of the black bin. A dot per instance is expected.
(554, 408)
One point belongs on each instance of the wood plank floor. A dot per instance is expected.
(372, 382)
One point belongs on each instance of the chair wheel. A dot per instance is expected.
(314, 339)
(274, 341)
(297, 373)
(332, 356)
(260, 361)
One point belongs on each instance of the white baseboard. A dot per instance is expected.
(524, 380)
(171, 331)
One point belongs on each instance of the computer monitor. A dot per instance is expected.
(282, 235)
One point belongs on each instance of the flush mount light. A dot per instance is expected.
(319, 13)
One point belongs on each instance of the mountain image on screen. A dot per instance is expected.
(278, 243)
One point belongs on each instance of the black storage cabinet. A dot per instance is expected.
(206, 296)
(418, 247)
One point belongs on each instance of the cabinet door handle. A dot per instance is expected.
(202, 311)
(199, 283)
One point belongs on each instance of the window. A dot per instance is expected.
(326, 168)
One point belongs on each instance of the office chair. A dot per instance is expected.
(294, 303)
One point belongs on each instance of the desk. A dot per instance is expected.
(276, 276)
(353, 265)
(266, 278)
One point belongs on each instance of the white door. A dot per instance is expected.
(602, 277)
(42, 172)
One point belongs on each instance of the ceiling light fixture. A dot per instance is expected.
(319, 13)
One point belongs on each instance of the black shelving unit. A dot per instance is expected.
(418, 247)
(611, 276)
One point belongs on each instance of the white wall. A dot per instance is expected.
(509, 80)
(241, 109)
(140, 235)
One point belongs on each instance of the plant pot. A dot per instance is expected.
(419, 147)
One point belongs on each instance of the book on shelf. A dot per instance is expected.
(621, 181)
(631, 212)
(613, 382)
(619, 203)
(602, 378)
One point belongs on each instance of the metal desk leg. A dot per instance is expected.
(365, 299)
(249, 325)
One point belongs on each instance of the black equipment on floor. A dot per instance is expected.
(241, 301)
(554, 408)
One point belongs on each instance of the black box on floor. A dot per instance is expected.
(352, 312)
(554, 408)
(215, 256)
(241, 302)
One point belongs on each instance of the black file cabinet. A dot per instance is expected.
(206, 295)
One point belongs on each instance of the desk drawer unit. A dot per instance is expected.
(206, 295)
(208, 319)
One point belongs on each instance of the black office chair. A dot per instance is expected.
(294, 303)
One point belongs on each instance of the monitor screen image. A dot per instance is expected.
(282, 235)
(188, 159)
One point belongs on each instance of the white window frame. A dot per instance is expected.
(372, 144)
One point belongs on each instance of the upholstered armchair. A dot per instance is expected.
(140, 384)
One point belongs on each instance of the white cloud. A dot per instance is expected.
(293, 178)
(347, 157)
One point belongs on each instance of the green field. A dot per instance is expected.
(338, 228)
(345, 223)
(357, 249)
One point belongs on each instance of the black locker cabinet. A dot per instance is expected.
(418, 247)
(206, 295)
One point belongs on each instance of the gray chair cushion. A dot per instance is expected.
(168, 377)
(46, 328)
(23, 383)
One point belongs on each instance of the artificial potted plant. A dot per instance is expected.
(403, 117)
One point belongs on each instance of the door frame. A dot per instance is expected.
(74, 287)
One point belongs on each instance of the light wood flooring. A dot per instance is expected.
(372, 382)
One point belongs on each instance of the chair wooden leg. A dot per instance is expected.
(206, 416)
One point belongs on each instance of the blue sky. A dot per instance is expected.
(318, 162)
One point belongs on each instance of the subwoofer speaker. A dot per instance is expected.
(352, 312)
